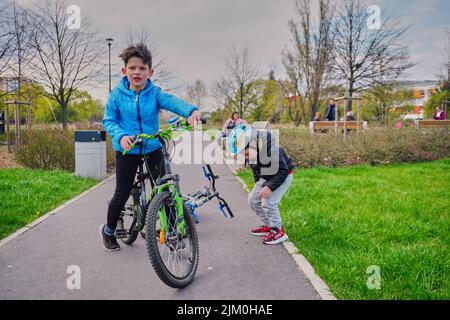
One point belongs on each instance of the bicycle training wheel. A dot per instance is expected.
(173, 256)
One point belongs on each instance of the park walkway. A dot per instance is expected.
(233, 264)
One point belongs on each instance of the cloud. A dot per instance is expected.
(425, 7)
(193, 36)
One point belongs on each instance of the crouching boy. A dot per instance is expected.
(273, 171)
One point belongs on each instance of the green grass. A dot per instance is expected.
(28, 194)
(396, 217)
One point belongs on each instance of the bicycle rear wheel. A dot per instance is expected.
(174, 257)
(129, 218)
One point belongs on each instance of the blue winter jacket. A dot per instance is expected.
(128, 113)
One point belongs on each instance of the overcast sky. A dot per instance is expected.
(193, 36)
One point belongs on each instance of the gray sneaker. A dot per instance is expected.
(109, 242)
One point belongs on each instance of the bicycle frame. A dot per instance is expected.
(168, 182)
(198, 199)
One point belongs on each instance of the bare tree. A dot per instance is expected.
(22, 53)
(6, 37)
(238, 89)
(444, 70)
(196, 93)
(444, 67)
(307, 65)
(66, 55)
(366, 56)
(293, 91)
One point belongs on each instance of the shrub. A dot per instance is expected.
(48, 149)
(12, 135)
(55, 149)
(374, 146)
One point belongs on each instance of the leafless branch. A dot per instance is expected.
(307, 64)
(163, 74)
(364, 57)
(66, 57)
(196, 93)
(238, 88)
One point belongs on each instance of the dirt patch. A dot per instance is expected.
(7, 160)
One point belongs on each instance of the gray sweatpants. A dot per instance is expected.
(267, 209)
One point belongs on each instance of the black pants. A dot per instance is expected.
(126, 168)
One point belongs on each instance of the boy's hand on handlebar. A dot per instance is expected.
(195, 119)
(126, 143)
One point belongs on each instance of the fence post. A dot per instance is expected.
(336, 113)
(345, 118)
(358, 117)
(8, 136)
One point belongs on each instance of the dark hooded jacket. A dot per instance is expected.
(273, 163)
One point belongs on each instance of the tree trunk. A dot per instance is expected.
(314, 104)
(29, 115)
(64, 115)
(350, 95)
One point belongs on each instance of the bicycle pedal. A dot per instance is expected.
(121, 233)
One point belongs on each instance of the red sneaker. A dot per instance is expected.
(275, 236)
(261, 231)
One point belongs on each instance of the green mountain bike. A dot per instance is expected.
(165, 217)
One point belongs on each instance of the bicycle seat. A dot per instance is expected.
(168, 177)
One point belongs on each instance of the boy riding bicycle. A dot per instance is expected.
(133, 108)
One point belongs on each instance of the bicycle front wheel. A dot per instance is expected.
(174, 256)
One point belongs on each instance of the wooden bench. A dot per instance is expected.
(425, 124)
(318, 126)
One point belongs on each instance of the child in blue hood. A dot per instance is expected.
(132, 108)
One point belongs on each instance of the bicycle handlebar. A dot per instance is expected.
(200, 197)
(176, 124)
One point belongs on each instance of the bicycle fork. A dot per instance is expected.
(169, 221)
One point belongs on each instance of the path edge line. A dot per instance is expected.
(303, 264)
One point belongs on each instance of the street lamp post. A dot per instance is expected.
(109, 42)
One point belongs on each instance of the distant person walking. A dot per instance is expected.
(330, 112)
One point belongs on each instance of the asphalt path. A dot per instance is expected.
(233, 263)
